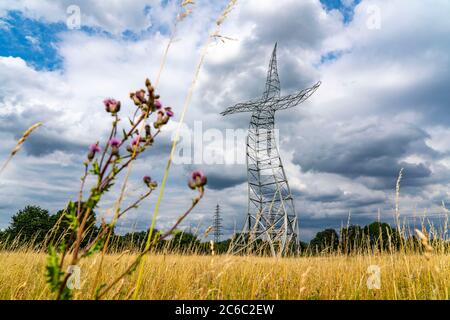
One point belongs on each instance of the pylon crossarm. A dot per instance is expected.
(249, 106)
(295, 99)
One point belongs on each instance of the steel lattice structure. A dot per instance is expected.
(217, 225)
(271, 218)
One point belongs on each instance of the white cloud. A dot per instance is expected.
(112, 16)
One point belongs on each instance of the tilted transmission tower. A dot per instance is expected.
(217, 225)
(271, 218)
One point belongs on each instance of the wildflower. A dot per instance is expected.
(111, 105)
(198, 180)
(158, 105)
(169, 112)
(93, 149)
(133, 148)
(159, 120)
(140, 95)
(136, 141)
(163, 117)
(115, 144)
(135, 99)
(151, 184)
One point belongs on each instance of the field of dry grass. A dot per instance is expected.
(230, 277)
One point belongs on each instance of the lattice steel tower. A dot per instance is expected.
(271, 218)
(217, 225)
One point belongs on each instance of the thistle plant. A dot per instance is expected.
(105, 162)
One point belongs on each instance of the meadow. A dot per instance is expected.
(179, 276)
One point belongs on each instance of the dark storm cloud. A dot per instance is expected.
(41, 144)
(219, 181)
(45, 139)
(349, 201)
(332, 196)
(373, 150)
(430, 97)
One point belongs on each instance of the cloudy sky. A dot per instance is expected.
(383, 104)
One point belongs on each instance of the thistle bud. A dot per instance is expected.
(111, 105)
(114, 144)
(151, 184)
(159, 120)
(157, 105)
(148, 131)
(140, 95)
(198, 180)
(135, 99)
(169, 112)
(93, 149)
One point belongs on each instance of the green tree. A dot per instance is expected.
(3, 236)
(184, 241)
(30, 223)
(134, 240)
(326, 240)
(382, 236)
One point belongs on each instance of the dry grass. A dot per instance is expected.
(231, 277)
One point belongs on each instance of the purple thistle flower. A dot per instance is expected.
(197, 174)
(111, 105)
(169, 112)
(140, 95)
(114, 142)
(198, 180)
(158, 104)
(94, 148)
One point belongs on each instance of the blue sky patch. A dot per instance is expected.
(331, 56)
(32, 40)
(347, 11)
(36, 41)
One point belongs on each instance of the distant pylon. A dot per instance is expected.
(217, 225)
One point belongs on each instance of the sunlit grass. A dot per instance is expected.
(403, 276)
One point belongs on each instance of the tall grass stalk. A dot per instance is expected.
(186, 104)
(19, 144)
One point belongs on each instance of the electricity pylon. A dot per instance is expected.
(217, 225)
(271, 218)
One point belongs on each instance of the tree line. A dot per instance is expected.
(36, 227)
